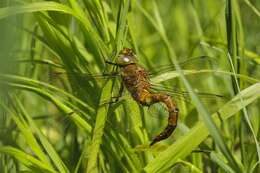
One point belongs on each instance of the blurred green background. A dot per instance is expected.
(55, 111)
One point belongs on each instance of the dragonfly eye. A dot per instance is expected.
(126, 59)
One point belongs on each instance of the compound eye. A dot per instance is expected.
(126, 59)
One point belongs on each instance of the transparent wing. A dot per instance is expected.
(86, 75)
(184, 95)
(158, 111)
(190, 61)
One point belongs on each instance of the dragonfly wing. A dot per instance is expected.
(184, 95)
(166, 68)
(85, 75)
(112, 100)
(158, 112)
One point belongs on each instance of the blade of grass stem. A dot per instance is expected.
(181, 148)
(94, 148)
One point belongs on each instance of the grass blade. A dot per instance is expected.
(26, 159)
(181, 148)
(94, 149)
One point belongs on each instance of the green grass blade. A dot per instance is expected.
(34, 7)
(37, 83)
(174, 74)
(28, 135)
(254, 9)
(235, 40)
(200, 107)
(44, 141)
(53, 44)
(245, 111)
(121, 24)
(181, 148)
(26, 159)
(219, 160)
(191, 167)
(61, 106)
(94, 148)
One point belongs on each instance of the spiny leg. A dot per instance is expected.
(114, 99)
(120, 93)
(151, 98)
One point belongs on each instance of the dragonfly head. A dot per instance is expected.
(126, 57)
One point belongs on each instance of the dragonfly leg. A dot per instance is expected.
(152, 98)
(115, 99)
(120, 93)
(111, 63)
(110, 74)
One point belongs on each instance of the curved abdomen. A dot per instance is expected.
(136, 80)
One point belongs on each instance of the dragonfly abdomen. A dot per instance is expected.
(172, 109)
(136, 80)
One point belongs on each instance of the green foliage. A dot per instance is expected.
(55, 111)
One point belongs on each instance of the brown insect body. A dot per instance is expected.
(136, 80)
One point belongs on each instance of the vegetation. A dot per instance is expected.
(56, 114)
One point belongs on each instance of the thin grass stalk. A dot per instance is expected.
(234, 30)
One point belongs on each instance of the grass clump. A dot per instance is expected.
(54, 111)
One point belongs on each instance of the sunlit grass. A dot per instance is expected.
(55, 115)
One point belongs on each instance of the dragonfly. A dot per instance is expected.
(136, 79)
